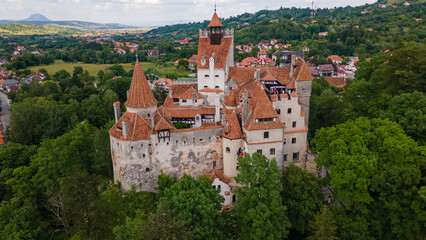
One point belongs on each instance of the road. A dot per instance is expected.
(5, 114)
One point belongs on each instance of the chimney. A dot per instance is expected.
(124, 128)
(217, 108)
(117, 110)
(245, 111)
(171, 92)
(127, 93)
(257, 74)
(293, 61)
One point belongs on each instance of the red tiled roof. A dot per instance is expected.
(215, 22)
(220, 52)
(335, 58)
(232, 130)
(302, 72)
(138, 128)
(263, 109)
(188, 94)
(232, 101)
(140, 94)
(218, 174)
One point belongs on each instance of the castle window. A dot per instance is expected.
(214, 164)
(201, 139)
(193, 140)
(216, 87)
(217, 76)
(272, 151)
(205, 86)
(177, 142)
(265, 134)
(230, 88)
(147, 170)
(278, 111)
(296, 156)
(218, 187)
(294, 124)
(183, 100)
(285, 141)
(206, 75)
(293, 140)
(259, 151)
(149, 115)
(228, 149)
(234, 198)
(289, 111)
(175, 100)
(143, 155)
(285, 157)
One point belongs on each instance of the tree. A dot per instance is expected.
(259, 207)
(198, 204)
(323, 226)
(374, 166)
(302, 196)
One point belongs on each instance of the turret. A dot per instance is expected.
(215, 28)
(140, 98)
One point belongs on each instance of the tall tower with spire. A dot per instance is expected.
(215, 57)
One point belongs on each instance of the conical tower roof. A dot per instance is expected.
(140, 94)
(215, 22)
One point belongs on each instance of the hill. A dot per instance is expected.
(361, 31)
(38, 19)
(29, 29)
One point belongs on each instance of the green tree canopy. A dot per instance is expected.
(259, 208)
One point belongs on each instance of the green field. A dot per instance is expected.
(93, 69)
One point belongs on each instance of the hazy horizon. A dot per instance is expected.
(149, 12)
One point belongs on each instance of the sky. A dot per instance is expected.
(150, 12)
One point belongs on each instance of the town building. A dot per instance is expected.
(203, 126)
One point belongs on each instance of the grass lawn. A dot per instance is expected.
(93, 69)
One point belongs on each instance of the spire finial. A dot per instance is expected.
(215, 6)
(137, 57)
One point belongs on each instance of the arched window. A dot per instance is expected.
(289, 110)
(228, 149)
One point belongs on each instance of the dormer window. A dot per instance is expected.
(175, 100)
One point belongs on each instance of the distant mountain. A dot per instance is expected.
(38, 19)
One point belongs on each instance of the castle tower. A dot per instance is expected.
(140, 99)
(215, 28)
(215, 57)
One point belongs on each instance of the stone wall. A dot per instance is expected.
(139, 163)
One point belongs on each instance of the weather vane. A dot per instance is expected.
(214, 6)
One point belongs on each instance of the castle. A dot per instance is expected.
(230, 111)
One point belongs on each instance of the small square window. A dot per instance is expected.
(293, 140)
(183, 100)
(259, 151)
(285, 157)
(175, 100)
(265, 134)
(149, 115)
(294, 124)
(285, 141)
(278, 111)
(296, 156)
(230, 88)
(289, 110)
(216, 87)
(218, 186)
(272, 151)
